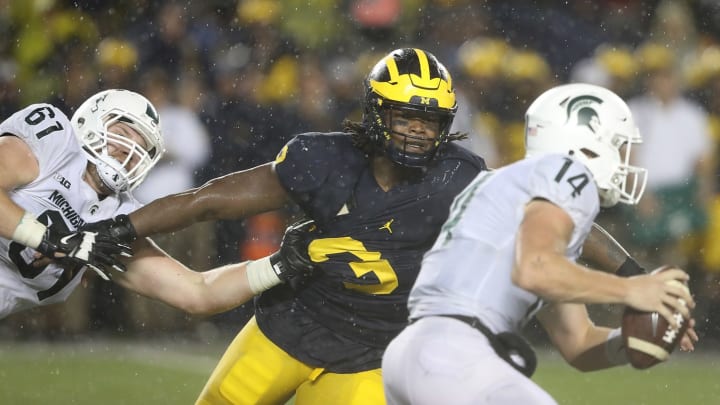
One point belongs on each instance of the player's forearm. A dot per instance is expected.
(593, 353)
(237, 195)
(157, 276)
(23, 227)
(225, 288)
(218, 290)
(582, 344)
(11, 215)
(175, 286)
(168, 214)
(555, 278)
(602, 251)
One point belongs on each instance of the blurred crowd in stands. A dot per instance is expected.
(235, 79)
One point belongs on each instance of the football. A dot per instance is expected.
(648, 337)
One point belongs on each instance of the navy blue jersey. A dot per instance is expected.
(368, 246)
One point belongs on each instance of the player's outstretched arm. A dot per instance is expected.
(236, 195)
(154, 274)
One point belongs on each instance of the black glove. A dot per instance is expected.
(119, 228)
(84, 248)
(292, 262)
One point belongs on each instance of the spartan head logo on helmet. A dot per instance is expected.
(585, 114)
(589, 117)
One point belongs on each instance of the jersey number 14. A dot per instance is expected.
(577, 182)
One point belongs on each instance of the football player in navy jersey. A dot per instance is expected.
(377, 195)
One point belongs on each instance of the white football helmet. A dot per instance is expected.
(593, 124)
(91, 122)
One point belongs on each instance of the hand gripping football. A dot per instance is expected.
(648, 337)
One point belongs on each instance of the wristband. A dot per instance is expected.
(29, 232)
(615, 348)
(261, 275)
(630, 268)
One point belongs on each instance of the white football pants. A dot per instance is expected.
(439, 360)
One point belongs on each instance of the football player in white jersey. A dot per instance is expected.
(508, 250)
(57, 175)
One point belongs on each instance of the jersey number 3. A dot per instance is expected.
(370, 262)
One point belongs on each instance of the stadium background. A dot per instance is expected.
(237, 78)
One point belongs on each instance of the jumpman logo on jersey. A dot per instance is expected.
(387, 226)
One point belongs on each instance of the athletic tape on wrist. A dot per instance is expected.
(615, 348)
(261, 275)
(29, 232)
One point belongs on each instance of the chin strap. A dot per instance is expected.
(112, 174)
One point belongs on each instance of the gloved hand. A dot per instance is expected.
(97, 252)
(119, 228)
(292, 262)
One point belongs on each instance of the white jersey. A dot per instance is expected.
(468, 270)
(58, 197)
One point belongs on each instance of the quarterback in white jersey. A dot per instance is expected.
(509, 248)
(56, 175)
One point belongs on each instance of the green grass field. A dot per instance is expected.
(112, 373)
(133, 372)
(688, 378)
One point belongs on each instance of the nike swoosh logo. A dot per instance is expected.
(66, 239)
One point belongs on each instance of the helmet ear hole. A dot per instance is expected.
(590, 154)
